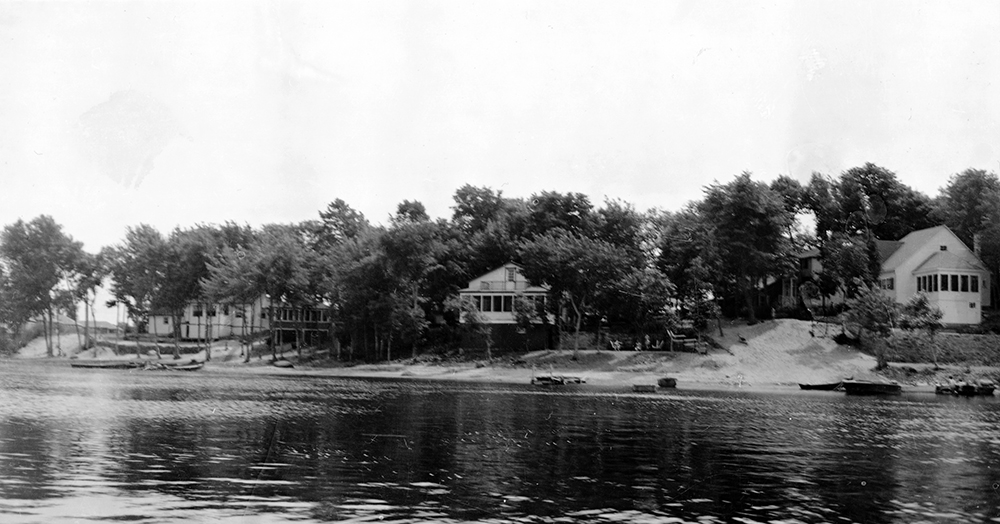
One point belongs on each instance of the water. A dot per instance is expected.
(91, 445)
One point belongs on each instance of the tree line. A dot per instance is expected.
(392, 287)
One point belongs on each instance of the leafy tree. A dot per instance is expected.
(874, 313)
(919, 314)
(550, 210)
(525, 315)
(641, 296)
(687, 256)
(278, 268)
(342, 222)
(473, 322)
(872, 198)
(822, 197)
(748, 223)
(846, 262)
(577, 269)
(39, 257)
(969, 203)
(475, 207)
(137, 269)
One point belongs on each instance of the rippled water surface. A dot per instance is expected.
(93, 445)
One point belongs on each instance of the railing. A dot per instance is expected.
(502, 285)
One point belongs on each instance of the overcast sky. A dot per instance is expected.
(174, 113)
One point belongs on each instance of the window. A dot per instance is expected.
(965, 283)
(944, 282)
(975, 284)
(497, 303)
(196, 311)
(263, 314)
(944, 248)
(225, 309)
(934, 283)
(166, 320)
(487, 304)
(508, 303)
(510, 274)
(920, 284)
(238, 312)
(954, 282)
(890, 283)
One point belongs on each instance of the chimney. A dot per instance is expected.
(976, 244)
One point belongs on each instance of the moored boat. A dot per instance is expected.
(105, 364)
(982, 388)
(667, 382)
(643, 388)
(556, 380)
(865, 387)
(830, 386)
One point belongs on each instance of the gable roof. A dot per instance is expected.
(909, 245)
(949, 260)
(886, 248)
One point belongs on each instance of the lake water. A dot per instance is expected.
(90, 445)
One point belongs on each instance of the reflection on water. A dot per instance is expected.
(89, 445)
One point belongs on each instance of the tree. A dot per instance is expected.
(137, 269)
(918, 314)
(342, 222)
(872, 198)
(475, 207)
(525, 314)
(969, 203)
(875, 313)
(687, 257)
(550, 210)
(473, 322)
(748, 222)
(577, 269)
(39, 258)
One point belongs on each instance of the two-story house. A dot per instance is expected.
(493, 294)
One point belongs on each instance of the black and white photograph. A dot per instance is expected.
(505, 262)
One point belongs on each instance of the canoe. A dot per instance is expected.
(831, 386)
(105, 364)
(187, 367)
(864, 387)
(643, 388)
(282, 363)
(667, 382)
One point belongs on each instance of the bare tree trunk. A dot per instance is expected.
(177, 334)
(156, 337)
(86, 323)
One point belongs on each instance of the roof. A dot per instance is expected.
(886, 248)
(909, 245)
(948, 260)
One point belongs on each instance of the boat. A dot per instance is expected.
(282, 363)
(982, 388)
(105, 364)
(556, 380)
(865, 387)
(643, 388)
(667, 382)
(194, 366)
(830, 386)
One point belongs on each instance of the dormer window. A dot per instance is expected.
(510, 274)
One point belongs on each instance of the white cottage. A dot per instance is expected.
(493, 293)
(936, 262)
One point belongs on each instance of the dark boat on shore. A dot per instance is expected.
(556, 380)
(831, 386)
(983, 388)
(864, 387)
(667, 382)
(105, 364)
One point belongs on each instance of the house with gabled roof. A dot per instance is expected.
(493, 294)
(934, 261)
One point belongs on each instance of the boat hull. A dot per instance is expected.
(832, 386)
(667, 382)
(871, 388)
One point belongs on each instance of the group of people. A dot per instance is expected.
(644, 344)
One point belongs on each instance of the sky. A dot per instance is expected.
(176, 113)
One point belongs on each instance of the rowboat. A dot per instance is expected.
(864, 387)
(556, 380)
(830, 386)
(667, 382)
(983, 388)
(643, 388)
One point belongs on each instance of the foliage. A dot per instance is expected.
(875, 313)
(918, 314)
(748, 222)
